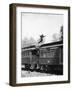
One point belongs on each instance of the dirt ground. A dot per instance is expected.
(33, 74)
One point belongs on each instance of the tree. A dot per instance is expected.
(28, 42)
(55, 37)
(61, 34)
(58, 37)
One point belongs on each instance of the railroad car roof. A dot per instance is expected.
(44, 45)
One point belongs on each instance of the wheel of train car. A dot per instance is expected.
(37, 68)
(32, 67)
(27, 67)
(23, 67)
(41, 68)
(46, 68)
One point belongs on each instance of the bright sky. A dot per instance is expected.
(33, 25)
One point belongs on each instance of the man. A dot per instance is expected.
(41, 38)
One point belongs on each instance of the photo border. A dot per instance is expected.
(12, 62)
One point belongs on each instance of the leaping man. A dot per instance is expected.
(41, 38)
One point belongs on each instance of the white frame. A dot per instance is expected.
(20, 79)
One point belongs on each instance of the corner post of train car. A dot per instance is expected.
(30, 54)
(38, 54)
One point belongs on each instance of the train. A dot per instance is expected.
(46, 58)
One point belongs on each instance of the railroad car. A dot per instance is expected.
(47, 58)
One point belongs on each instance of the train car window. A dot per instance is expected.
(48, 49)
(23, 54)
(26, 53)
(35, 52)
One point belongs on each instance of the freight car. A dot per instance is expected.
(47, 58)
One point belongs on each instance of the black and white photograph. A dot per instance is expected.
(41, 44)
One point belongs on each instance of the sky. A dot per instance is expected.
(35, 24)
